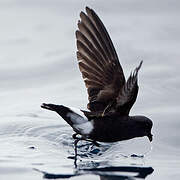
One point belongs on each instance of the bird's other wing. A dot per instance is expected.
(128, 93)
(98, 61)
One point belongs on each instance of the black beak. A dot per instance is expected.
(48, 106)
(150, 136)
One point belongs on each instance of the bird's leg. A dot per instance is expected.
(75, 150)
(77, 139)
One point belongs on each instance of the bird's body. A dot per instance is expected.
(115, 129)
(110, 95)
(109, 128)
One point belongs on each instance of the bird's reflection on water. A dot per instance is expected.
(107, 173)
(102, 168)
(91, 149)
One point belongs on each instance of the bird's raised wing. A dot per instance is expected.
(98, 61)
(128, 94)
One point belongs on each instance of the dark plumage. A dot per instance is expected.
(110, 95)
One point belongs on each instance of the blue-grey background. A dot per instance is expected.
(38, 64)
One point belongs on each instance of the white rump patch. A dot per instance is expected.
(80, 121)
(76, 118)
(85, 128)
(79, 112)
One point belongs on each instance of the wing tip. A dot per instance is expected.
(82, 14)
(87, 9)
(140, 64)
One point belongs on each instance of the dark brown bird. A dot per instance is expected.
(110, 95)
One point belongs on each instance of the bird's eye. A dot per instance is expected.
(146, 125)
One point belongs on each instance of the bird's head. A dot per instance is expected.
(144, 126)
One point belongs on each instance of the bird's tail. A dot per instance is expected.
(74, 117)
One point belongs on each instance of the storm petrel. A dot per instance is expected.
(110, 95)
